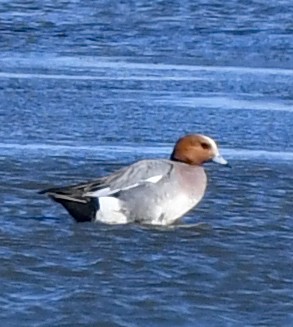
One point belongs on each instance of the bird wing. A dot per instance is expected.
(144, 171)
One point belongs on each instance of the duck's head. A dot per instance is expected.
(196, 149)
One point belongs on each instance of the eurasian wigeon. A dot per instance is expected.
(157, 191)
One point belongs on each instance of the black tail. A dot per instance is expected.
(82, 209)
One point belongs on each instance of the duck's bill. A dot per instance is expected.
(220, 160)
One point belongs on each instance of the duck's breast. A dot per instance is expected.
(167, 200)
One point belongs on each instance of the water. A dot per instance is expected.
(86, 88)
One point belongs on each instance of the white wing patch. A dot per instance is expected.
(107, 190)
(102, 192)
(154, 179)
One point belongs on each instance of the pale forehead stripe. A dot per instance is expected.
(212, 142)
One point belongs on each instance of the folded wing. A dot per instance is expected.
(145, 171)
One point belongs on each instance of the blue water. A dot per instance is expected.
(88, 87)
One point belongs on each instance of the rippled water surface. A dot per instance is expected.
(87, 87)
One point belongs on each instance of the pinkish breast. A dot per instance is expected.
(192, 180)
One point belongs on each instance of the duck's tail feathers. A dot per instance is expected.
(82, 209)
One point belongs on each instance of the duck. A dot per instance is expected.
(149, 191)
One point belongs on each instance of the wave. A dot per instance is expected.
(103, 78)
(121, 63)
(163, 150)
(226, 102)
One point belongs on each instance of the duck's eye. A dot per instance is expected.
(205, 146)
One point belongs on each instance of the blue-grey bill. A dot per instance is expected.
(220, 160)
